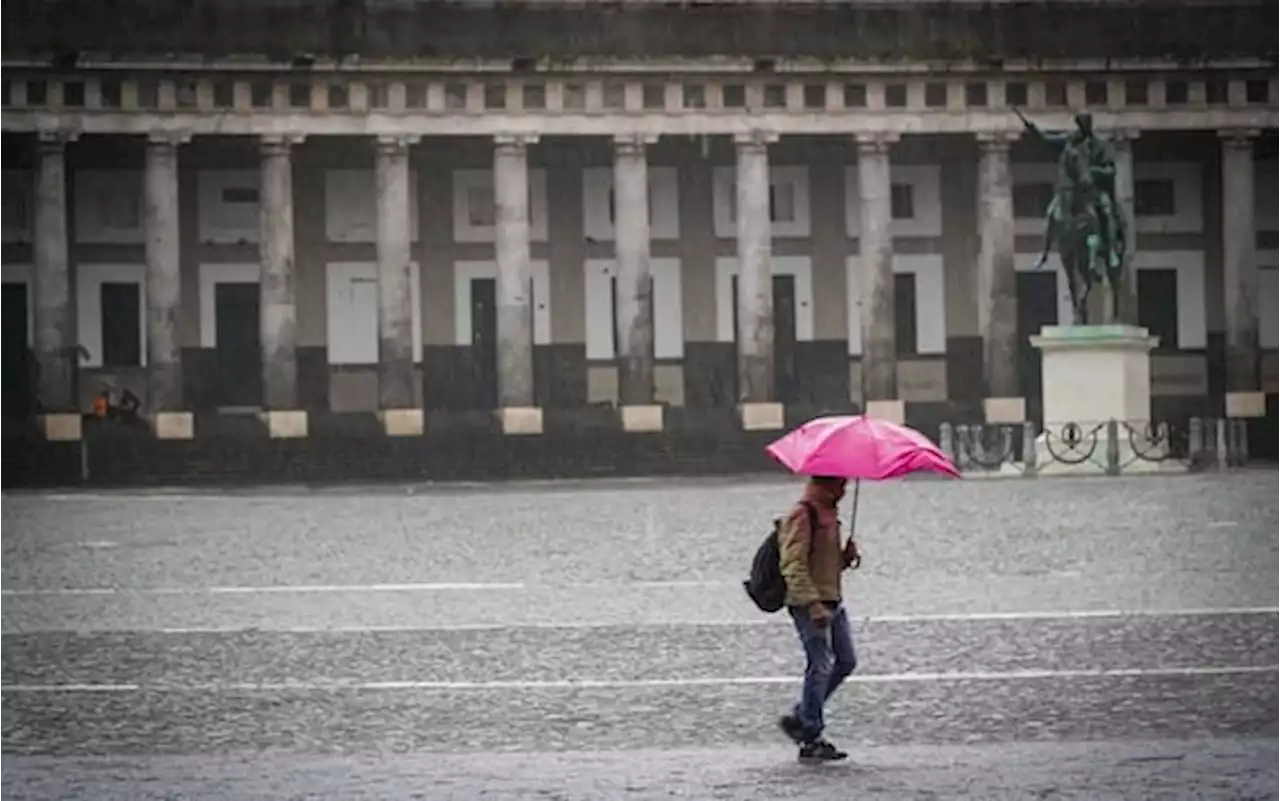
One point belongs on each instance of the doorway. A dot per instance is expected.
(1037, 307)
(17, 359)
(484, 343)
(238, 344)
(785, 373)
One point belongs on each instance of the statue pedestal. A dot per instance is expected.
(1092, 374)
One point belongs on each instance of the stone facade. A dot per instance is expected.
(706, 232)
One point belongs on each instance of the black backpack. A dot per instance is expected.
(766, 586)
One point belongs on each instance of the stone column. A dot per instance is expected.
(54, 314)
(634, 307)
(1122, 142)
(755, 269)
(278, 301)
(515, 278)
(879, 348)
(395, 281)
(998, 281)
(164, 283)
(1240, 275)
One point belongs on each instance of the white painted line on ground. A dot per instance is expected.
(441, 586)
(603, 684)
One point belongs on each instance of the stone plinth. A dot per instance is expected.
(1093, 374)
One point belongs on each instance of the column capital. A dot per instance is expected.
(878, 142)
(168, 138)
(1239, 137)
(279, 144)
(1123, 136)
(514, 141)
(755, 138)
(49, 141)
(998, 141)
(633, 143)
(395, 145)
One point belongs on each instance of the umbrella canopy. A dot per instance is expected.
(858, 447)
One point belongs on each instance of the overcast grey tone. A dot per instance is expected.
(1076, 639)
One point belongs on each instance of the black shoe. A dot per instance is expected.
(792, 727)
(820, 750)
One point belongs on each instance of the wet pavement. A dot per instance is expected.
(1064, 638)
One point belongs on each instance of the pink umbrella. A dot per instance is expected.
(858, 447)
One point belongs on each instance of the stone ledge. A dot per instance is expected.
(762, 416)
(1246, 404)
(1012, 411)
(895, 411)
(174, 425)
(402, 422)
(65, 427)
(285, 424)
(642, 419)
(520, 420)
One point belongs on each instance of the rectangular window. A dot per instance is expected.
(259, 93)
(855, 95)
(1154, 198)
(480, 207)
(574, 96)
(495, 95)
(694, 96)
(815, 96)
(185, 93)
(109, 93)
(782, 202)
(300, 94)
(775, 95)
(1158, 305)
(455, 96)
(1015, 93)
(935, 95)
(415, 95)
(37, 93)
(534, 96)
(117, 213)
(1031, 200)
(1175, 93)
(73, 94)
(1055, 94)
(975, 94)
(655, 96)
(1095, 93)
(734, 95)
(1215, 91)
(902, 204)
(1135, 92)
(223, 94)
(379, 95)
(615, 95)
(17, 206)
(340, 99)
(904, 314)
(895, 95)
(1255, 91)
(121, 312)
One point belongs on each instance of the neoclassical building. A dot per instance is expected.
(395, 207)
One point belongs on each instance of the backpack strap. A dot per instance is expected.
(812, 513)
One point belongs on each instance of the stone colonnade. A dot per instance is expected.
(995, 286)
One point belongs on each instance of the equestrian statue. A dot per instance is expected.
(1083, 219)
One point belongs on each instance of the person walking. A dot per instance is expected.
(811, 562)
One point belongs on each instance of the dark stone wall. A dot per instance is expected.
(280, 29)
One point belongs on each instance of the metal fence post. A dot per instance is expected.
(1028, 448)
(1113, 447)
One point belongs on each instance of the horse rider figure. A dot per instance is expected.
(1100, 161)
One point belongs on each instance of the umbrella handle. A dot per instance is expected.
(853, 517)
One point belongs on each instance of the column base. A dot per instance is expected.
(281, 424)
(642, 419)
(520, 420)
(65, 427)
(894, 411)
(403, 422)
(174, 425)
(1246, 404)
(1005, 410)
(762, 416)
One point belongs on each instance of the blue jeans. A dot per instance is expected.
(829, 659)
